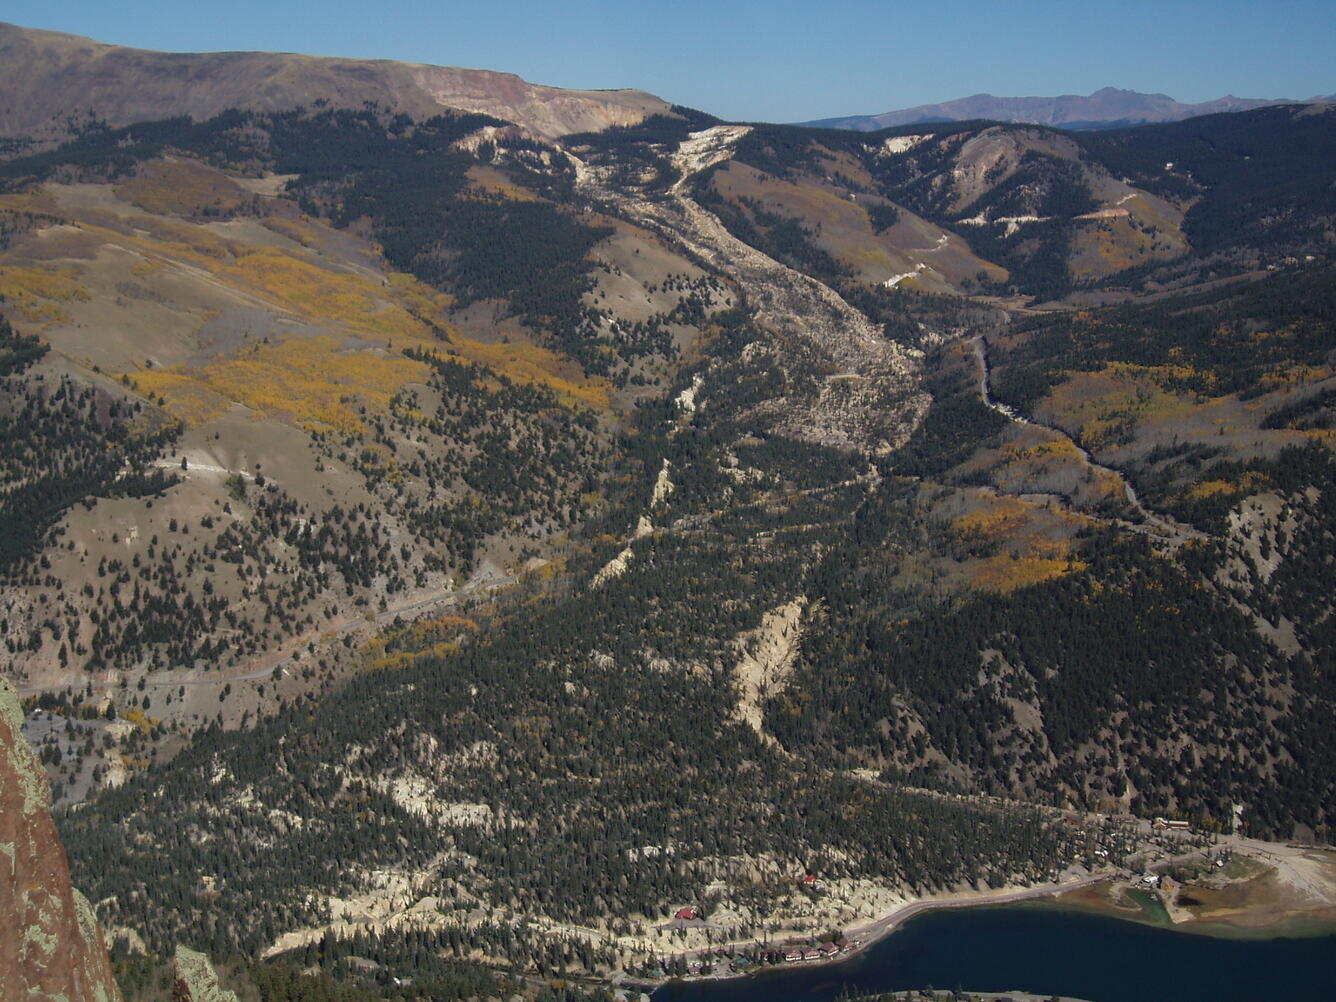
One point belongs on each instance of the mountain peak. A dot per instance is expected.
(49, 77)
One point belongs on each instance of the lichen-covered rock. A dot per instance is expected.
(196, 980)
(51, 947)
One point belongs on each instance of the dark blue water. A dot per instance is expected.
(1047, 951)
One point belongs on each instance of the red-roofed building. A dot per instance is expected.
(688, 913)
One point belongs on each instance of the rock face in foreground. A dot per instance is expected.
(195, 980)
(51, 947)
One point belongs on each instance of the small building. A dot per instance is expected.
(687, 914)
(811, 953)
(1160, 824)
(792, 956)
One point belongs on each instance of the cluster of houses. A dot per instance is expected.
(818, 951)
(732, 959)
(790, 953)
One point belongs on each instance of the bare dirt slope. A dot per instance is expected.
(47, 77)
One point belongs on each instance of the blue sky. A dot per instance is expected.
(775, 60)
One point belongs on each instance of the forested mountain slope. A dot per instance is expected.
(316, 437)
(488, 547)
(980, 207)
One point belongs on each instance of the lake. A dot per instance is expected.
(1048, 951)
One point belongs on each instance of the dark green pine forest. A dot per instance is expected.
(583, 755)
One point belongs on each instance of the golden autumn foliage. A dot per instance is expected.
(319, 383)
(315, 383)
(190, 401)
(1030, 552)
(138, 718)
(391, 312)
(1104, 404)
(1248, 483)
(417, 295)
(162, 242)
(317, 293)
(529, 363)
(402, 659)
(1058, 448)
(437, 637)
(1211, 488)
(996, 516)
(38, 291)
(1006, 573)
(1285, 376)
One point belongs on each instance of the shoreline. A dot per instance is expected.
(1293, 924)
(870, 933)
(1289, 923)
(878, 929)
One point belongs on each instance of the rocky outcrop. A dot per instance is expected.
(548, 112)
(195, 980)
(51, 947)
(47, 78)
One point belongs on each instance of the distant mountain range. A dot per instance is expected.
(1104, 109)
